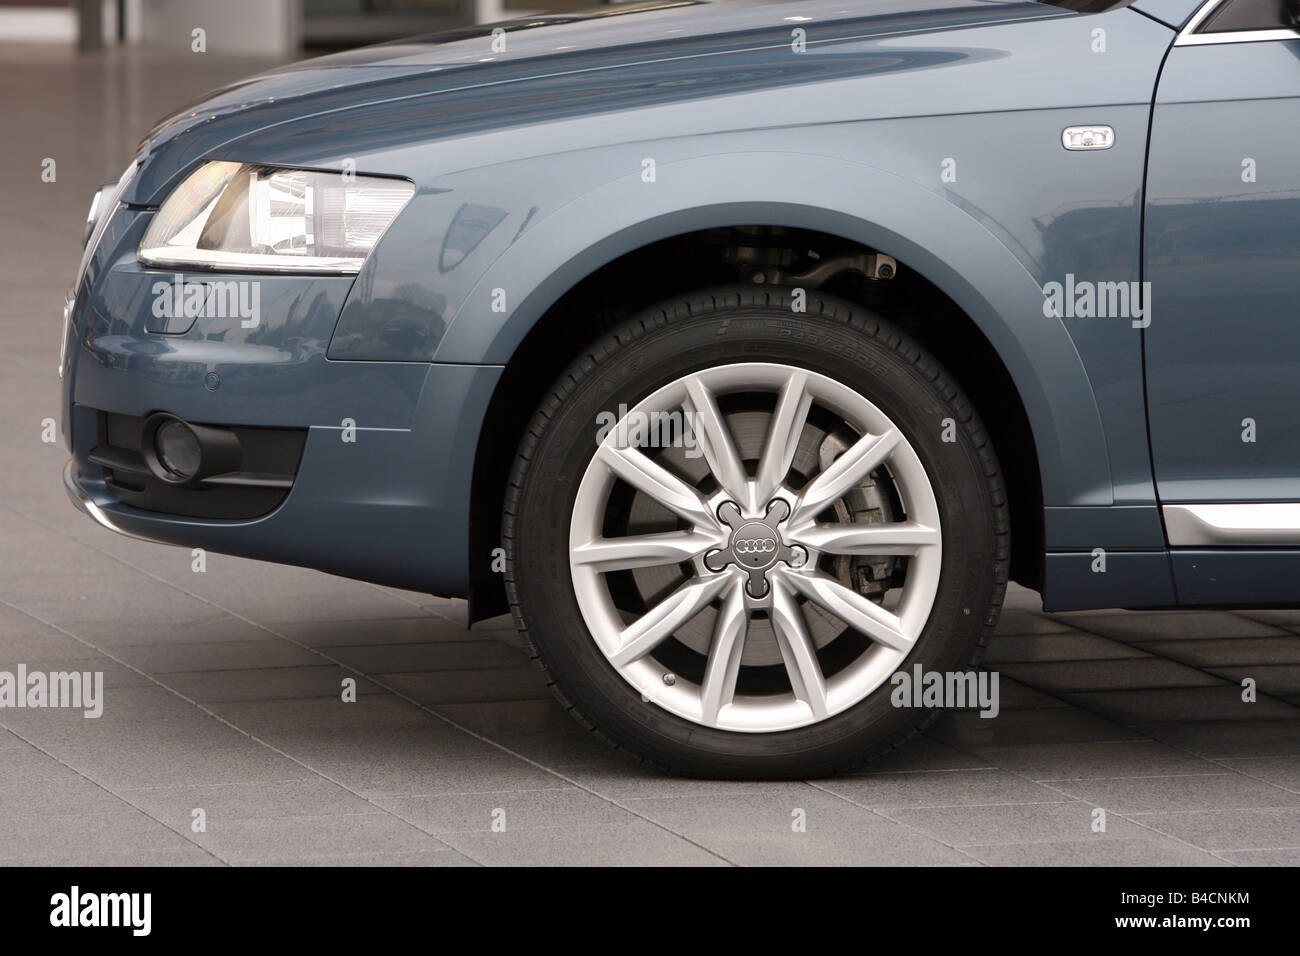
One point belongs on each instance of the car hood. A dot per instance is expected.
(584, 45)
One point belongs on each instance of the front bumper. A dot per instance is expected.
(382, 488)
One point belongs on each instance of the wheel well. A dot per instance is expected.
(759, 254)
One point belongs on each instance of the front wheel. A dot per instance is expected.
(730, 523)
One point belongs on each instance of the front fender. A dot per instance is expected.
(917, 226)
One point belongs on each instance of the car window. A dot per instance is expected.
(1233, 16)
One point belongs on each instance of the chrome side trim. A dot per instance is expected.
(1216, 525)
(1189, 37)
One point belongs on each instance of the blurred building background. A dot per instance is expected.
(275, 28)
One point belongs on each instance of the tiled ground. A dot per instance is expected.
(223, 687)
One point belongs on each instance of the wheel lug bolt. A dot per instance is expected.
(670, 679)
(797, 557)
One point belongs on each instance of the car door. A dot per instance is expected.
(1222, 254)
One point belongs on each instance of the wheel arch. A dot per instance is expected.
(995, 306)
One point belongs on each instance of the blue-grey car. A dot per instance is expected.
(743, 351)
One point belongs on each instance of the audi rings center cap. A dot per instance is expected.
(755, 545)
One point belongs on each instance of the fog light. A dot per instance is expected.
(178, 449)
(181, 453)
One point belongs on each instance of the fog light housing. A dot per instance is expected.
(178, 450)
(180, 453)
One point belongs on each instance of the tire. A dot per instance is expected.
(734, 355)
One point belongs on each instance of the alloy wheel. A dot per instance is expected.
(725, 579)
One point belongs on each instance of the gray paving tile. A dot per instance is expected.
(635, 843)
(1088, 760)
(67, 837)
(82, 660)
(1276, 680)
(1013, 695)
(303, 837)
(623, 780)
(925, 753)
(224, 656)
(1231, 738)
(1019, 823)
(1072, 646)
(539, 729)
(434, 656)
(71, 734)
(151, 601)
(32, 640)
(318, 714)
(418, 747)
(1284, 618)
(447, 857)
(1249, 829)
(1282, 771)
(1225, 651)
(54, 793)
(188, 855)
(945, 788)
(1290, 856)
(10, 742)
(1018, 621)
(224, 802)
(759, 827)
(559, 750)
(358, 604)
(1149, 705)
(512, 717)
(401, 776)
(1073, 676)
(254, 581)
(1128, 852)
(208, 627)
(1160, 625)
(144, 702)
(1040, 725)
(34, 765)
(452, 686)
(564, 806)
(102, 581)
(183, 764)
(1216, 791)
(271, 683)
(413, 629)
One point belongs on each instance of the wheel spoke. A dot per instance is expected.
(723, 667)
(715, 440)
(654, 627)
(660, 484)
(783, 435)
(851, 468)
(643, 550)
(895, 537)
(797, 650)
(852, 608)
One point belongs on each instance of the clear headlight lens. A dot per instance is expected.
(256, 218)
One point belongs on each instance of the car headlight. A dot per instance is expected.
(242, 217)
